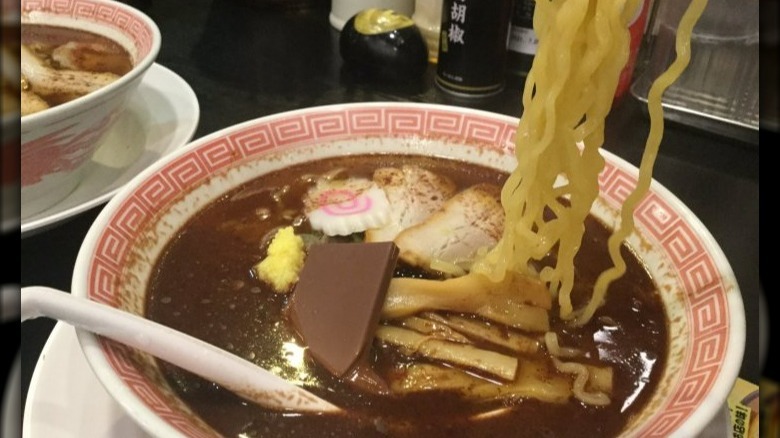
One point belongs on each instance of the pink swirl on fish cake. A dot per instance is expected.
(343, 202)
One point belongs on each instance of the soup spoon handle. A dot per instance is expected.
(208, 361)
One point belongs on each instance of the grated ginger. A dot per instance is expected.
(284, 260)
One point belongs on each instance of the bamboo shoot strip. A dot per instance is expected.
(413, 343)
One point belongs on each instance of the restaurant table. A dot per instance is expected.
(250, 58)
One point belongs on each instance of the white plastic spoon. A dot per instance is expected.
(208, 361)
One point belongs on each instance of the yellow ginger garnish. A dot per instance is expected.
(284, 261)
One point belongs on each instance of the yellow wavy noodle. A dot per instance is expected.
(583, 46)
(581, 375)
(655, 110)
(555, 349)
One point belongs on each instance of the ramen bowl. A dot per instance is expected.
(58, 142)
(116, 262)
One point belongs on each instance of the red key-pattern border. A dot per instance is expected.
(106, 13)
(706, 305)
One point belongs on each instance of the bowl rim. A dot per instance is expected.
(66, 110)
(699, 417)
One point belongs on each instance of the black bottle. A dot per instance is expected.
(522, 39)
(473, 47)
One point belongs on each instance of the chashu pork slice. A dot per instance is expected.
(32, 103)
(45, 80)
(414, 194)
(471, 220)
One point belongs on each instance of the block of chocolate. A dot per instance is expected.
(335, 305)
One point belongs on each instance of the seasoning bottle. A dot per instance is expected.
(636, 28)
(427, 17)
(473, 46)
(522, 39)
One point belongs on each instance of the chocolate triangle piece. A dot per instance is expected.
(335, 305)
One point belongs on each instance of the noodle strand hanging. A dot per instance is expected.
(583, 47)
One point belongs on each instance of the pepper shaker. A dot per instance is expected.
(473, 46)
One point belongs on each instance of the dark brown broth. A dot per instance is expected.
(43, 39)
(203, 286)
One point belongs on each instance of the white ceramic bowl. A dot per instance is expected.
(114, 264)
(56, 143)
